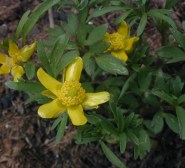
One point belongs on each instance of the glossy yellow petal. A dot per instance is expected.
(14, 50)
(27, 51)
(76, 115)
(129, 43)
(52, 109)
(48, 81)
(73, 70)
(2, 58)
(49, 94)
(5, 69)
(92, 100)
(120, 54)
(124, 29)
(17, 72)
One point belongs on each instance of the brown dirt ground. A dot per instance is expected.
(27, 141)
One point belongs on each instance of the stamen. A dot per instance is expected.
(71, 93)
(116, 41)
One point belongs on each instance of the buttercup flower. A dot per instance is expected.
(120, 43)
(69, 96)
(10, 64)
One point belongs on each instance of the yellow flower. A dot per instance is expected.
(11, 63)
(120, 43)
(69, 96)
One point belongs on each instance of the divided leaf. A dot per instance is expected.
(111, 64)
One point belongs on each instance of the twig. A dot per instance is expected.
(51, 20)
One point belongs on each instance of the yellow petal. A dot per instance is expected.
(73, 70)
(129, 43)
(107, 37)
(49, 94)
(27, 51)
(48, 81)
(120, 54)
(51, 110)
(2, 58)
(92, 100)
(14, 50)
(17, 72)
(124, 29)
(76, 115)
(5, 69)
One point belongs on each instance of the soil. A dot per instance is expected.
(27, 141)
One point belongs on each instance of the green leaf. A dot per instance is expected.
(181, 99)
(113, 107)
(142, 24)
(120, 119)
(183, 25)
(160, 14)
(111, 156)
(88, 87)
(82, 31)
(97, 34)
(157, 123)
(164, 96)
(82, 4)
(126, 84)
(162, 11)
(108, 126)
(89, 64)
(42, 56)
(114, 81)
(181, 120)
(132, 137)
(180, 37)
(55, 32)
(21, 24)
(82, 15)
(123, 142)
(99, 47)
(57, 52)
(61, 128)
(72, 24)
(56, 122)
(114, 92)
(102, 11)
(144, 2)
(144, 79)
(171, 54)
(151, 100)
(38, 97)
(144, 144)
(111, 64)
(172, 122)
(30, 70)
(170, 3)
(66, 59)
(177, 85)
(93, 119)
(25, 86)
(86, 140)
(34, 17)
(129, 119)
(123, 16)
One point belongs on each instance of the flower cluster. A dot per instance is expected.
(11, 63)
(120, 42)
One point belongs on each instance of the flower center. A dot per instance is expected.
(10, 61)
(116, 41)
(71, 93)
